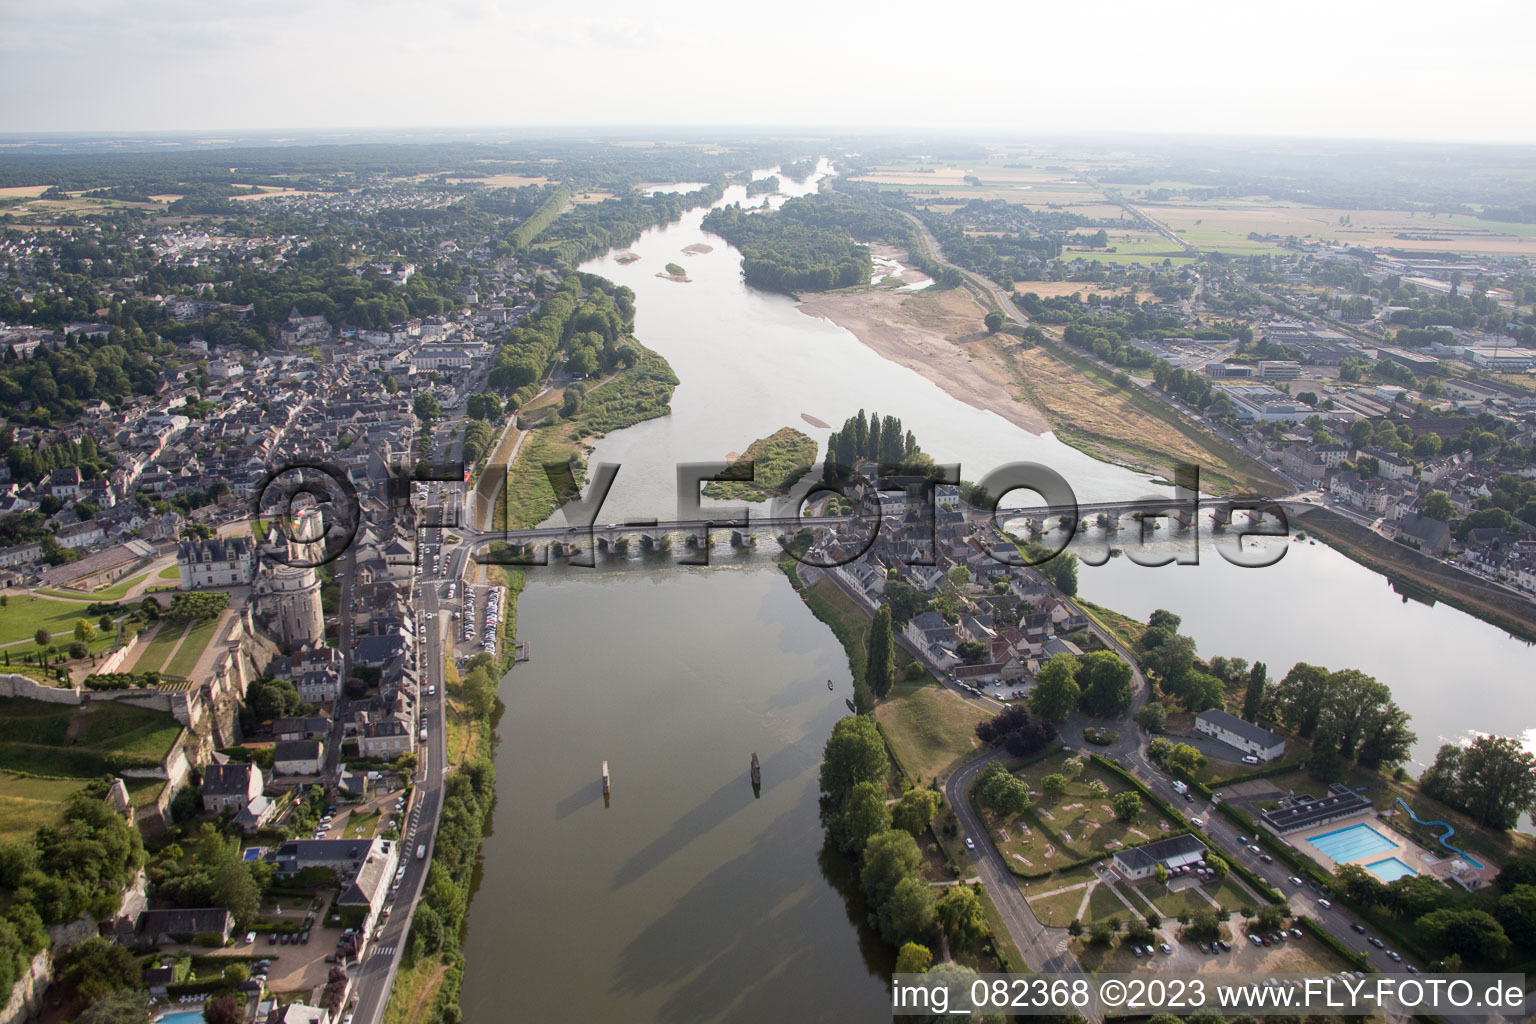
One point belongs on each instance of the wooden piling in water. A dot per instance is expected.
(605, 778)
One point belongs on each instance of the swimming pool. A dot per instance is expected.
(1350, 844)
(182, 1017)
(1391, 869)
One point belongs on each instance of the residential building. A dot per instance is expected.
(1244, 736)
(297, 757)
(231, 786)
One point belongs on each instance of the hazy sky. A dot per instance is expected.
(1371, 68)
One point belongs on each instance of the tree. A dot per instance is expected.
(1054, 787)
(1437, 505)
(84, 631)
(994, 321)
(425, 407)
(1160, 873)
(1361, 887)
(915, 810)
(483, 407)
(1272, 916)
(854, 753)
(1002, 791)
(1302, 696)
(908, 912)
(866, 816)
(880, 662)
(1097, 789)
(236, 974)
(888, 858)
(427, 928)
(126, 1006)
(1493, 779)
(1075, 927)
(959, 911)
(1467, 933)
(1516, 911)
(236, 890)
(1253, 696)
(573, 401)
(1056, 692)
(95, 968)
(1218, 866)
(223, 1010)
(1184, 758)
(913, 958)
(1104, 682)
(1127, 805)
(42, 637)
(1152, 717)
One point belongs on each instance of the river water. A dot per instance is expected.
(689, 899)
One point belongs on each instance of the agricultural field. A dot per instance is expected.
(1225, 227)
(64, 741)
(1060, 833)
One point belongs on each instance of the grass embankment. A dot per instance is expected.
(634, 395)
(933, 729)
(1122, 424)
(778, 462)
(63, 741)
(27, 803)
(1122, 627)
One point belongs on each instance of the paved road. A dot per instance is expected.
(382, 960)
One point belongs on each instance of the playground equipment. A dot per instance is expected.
(1449, 831)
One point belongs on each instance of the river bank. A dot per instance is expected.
(936, 332)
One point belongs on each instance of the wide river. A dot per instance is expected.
(688, 899)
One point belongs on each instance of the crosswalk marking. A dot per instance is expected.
(384, 951)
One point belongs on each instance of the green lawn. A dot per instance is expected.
(24, 614)
(1058, 909)
(26, 804)
(63, 741)
(192, 648)
(170, 572)
(152, 658)
(929, 727)
(1104, 904)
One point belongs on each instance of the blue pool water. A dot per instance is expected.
(182, 1017)
(1391, 869)
(1350, 844)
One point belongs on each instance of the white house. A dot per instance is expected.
(1245, 736)
(1138, 862)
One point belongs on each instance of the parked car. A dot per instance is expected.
(1325, 904)
(1250, 759)
(1167, 949)
(1294, 880)
(1255, 940)
(1357, 926)
(1266, 858)
(272, 938)
(250, 937)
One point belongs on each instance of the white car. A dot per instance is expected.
(970, 844)
(1250, 759)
